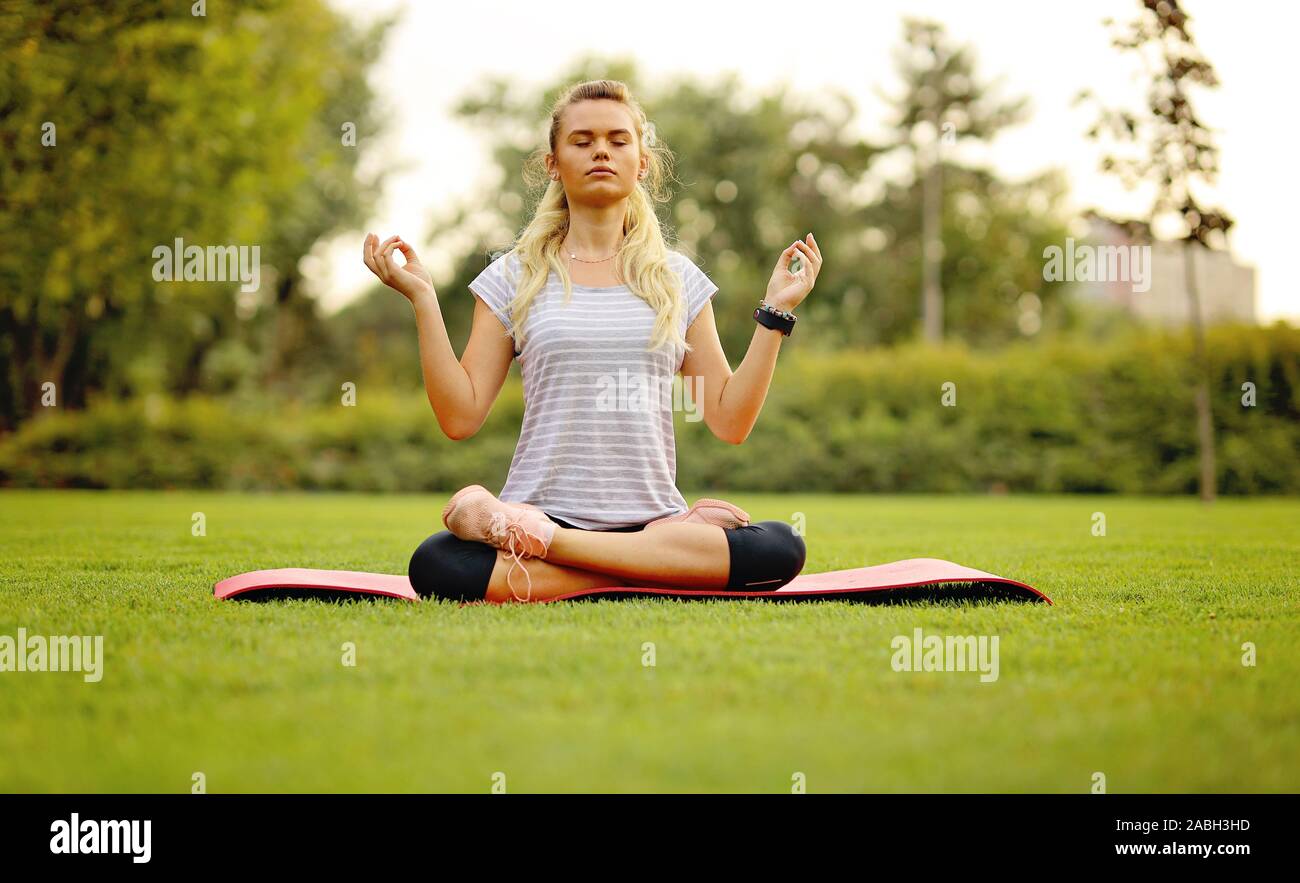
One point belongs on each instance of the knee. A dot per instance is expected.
(768, 556)
(787, 549)
(445, 566)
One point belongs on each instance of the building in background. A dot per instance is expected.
(1226, 287)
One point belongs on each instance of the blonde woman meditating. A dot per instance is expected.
(590, 295)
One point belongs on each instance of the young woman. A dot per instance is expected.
(591, 300)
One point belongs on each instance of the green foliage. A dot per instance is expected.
(994, 234)
(221, 129)
(1061, 416)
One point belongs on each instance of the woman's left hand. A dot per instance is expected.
(786, 290)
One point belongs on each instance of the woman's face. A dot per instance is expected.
(594, 133)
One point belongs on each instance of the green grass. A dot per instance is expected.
(1136, 672)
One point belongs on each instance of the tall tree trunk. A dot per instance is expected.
(932, 246)
(15, 379)
(56, 367)
(1204, 416)
(285, 330)
(42, 367)
(35, 366)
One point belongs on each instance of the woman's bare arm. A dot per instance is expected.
(732, 400)
(462, 391)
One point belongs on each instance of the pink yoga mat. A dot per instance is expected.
(910, 579)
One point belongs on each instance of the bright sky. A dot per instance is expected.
(1045, 51)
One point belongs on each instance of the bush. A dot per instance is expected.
(1058, 416)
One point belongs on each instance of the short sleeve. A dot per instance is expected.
(697, 288)
(494, 288)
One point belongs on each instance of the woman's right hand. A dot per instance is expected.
(411, 279)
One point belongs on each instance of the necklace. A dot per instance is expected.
(601, 261)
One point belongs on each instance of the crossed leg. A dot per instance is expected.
(674, 555)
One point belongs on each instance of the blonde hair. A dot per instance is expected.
(643, 258)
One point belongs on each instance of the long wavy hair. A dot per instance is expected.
(642, 261)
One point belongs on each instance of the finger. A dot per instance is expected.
(368, 254)
(407, 251)
(389, 260)
(814, 260)
(803, 259)
(807, 249)
(386, 268)
(382, 249)
(813, 241)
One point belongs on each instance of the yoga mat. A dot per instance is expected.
(913, 579)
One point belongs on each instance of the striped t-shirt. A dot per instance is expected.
(596, 447)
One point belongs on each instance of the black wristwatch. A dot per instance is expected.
(777, 320)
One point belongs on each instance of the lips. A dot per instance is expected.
(601, 170)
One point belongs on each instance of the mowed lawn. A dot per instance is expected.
(1136, 673)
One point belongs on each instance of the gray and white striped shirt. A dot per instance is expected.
(596, 447)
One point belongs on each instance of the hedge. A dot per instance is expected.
(1052, 416)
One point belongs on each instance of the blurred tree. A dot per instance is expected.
(942, 103)
(1167, 147)
(129, 125)
(993, 234)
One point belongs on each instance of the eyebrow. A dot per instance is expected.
(589, 132)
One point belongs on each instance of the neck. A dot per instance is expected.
(595, 231)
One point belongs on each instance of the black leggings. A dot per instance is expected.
(764, 557)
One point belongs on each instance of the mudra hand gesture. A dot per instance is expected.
(411, 278)
(786, 290)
